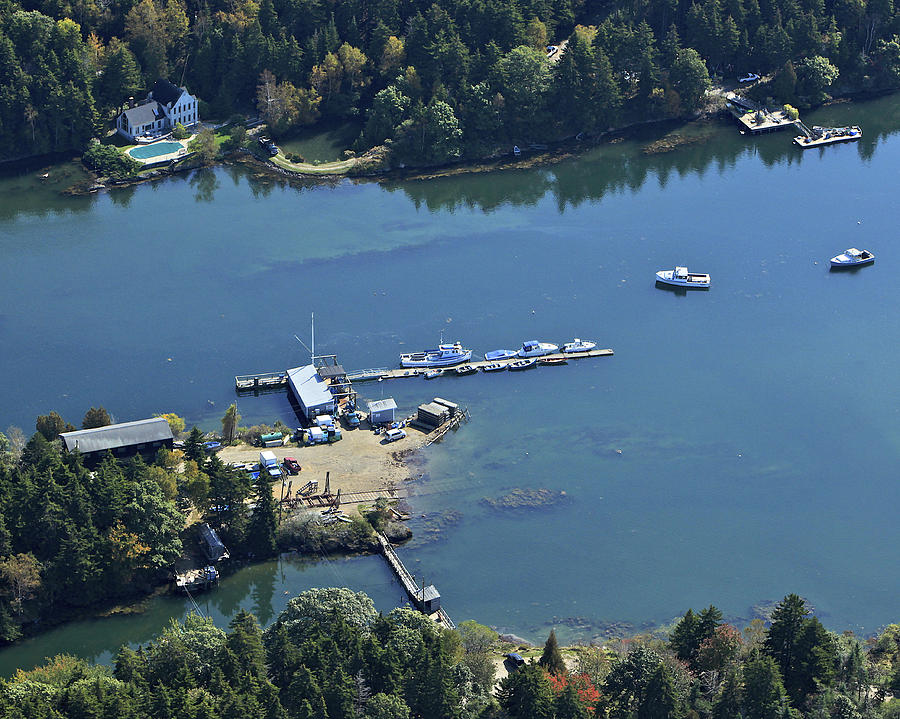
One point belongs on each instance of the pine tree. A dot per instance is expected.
(552, 659)
(659, 701)
(263, 521)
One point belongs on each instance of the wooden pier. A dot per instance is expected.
(755, 118)
(418, 596)
(261, 381)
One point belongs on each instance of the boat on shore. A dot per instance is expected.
(578, 345)
(681, 277)
(533, 348)
(852, 257)
(522, 364)
(495, 355)
(446, 355)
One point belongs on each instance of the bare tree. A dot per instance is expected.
(23, 574)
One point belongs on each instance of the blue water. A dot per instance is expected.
(154, 150)
(741, 444)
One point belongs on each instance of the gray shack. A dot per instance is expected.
(382, 411)
(312, 392)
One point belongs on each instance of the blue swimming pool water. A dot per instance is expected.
(154, 150)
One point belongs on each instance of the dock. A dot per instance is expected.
(755, 118)
(405, 373)
(426, 599)
(277, 380)
(821, 136)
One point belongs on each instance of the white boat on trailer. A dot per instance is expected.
(681, 277)
(533, 348)
(446, 355)
(578, 345)
(852, 258)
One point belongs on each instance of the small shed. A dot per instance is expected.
(212, 545)
(382, 411)
(428, 599)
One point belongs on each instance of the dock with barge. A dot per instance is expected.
(821, 136)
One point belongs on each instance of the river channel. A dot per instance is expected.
(741, 444)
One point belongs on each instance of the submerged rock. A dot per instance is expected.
(521, 498)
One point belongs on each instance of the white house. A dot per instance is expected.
(165, 105)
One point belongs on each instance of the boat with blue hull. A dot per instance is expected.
(446, 355)
(852, 258)
(533, 348)
(495, 355)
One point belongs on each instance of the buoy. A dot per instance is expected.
(168, 359)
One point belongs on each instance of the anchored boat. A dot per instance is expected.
(853, 258)
(578, 345)
(680, 277)
(523, 364)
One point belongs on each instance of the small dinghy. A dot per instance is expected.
(432, 373)
(552, 361)
(493, 367)
(523, 364)
(466, 369)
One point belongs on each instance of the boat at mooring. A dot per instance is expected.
(495, 355)
(466, 369)
(433, 373)
(446, 355)
(523, 364)
(552, 361)
(493, 367)
(533, 348)
(681, 277)
(853, 258)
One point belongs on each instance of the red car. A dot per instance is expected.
(292, 465)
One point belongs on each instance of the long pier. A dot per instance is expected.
(276, 380)
(416, 595)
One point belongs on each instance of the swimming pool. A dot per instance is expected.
(154, 150)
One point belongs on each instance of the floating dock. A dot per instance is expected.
(821, 136)
(755, 118)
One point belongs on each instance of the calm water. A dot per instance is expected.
(741, 444)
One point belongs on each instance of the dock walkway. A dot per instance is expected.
(408, 581)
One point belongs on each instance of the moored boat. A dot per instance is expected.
(852, 258)
(523, 364)
(533, 348)
(466, 369)
(445, 355)
(680, 277)
(551, 361)
(493, 367)
(494, 355)
(578, 345)
(432, 373)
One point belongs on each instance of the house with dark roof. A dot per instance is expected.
(166, 105)
(146, 436)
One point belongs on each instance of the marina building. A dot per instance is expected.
(311, 391)
(145, 436)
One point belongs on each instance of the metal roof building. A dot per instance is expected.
(311, 391)
(127, 438)
(382, 410)
(212, 546)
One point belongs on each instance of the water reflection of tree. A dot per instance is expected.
(264, 591)
(122, 196)
(613, 168)
(205, 181)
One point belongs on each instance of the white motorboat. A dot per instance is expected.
(852, 258)
(446, 355)
(578, 345)
(680, 277)
(533, 348)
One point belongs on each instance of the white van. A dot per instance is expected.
(392, 435)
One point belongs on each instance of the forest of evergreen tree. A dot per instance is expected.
(441, 80)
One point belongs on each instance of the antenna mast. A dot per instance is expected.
(312, 352)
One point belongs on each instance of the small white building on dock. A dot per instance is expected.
(382, 411)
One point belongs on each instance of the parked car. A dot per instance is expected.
(291, 465)
(352, 420)
(750, 77)
(392, 435)
(212, 446)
